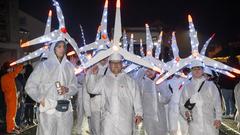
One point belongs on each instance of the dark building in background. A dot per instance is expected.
(16, 26)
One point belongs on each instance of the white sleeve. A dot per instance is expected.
(164, 94)
(86, 101)
(237, 99)
(73, 84)
(137, 103)
(93, 83)
(183, 100)
(217, 101)
(34, 82)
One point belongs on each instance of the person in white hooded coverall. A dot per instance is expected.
(153, 100)
(95, 99)
(207, 112)
(121, 101)
(177, 124)
(237, 99)
(41, 87)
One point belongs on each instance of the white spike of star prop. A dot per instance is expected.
(158, 46)
(58, 34)
(82, 34)
(141, 48)
(41, 51)
(102, 39)
(148, 57)
(115, 47)
(204, 49)
(196, 56)
(149, 41)
(125, 42)
(131, 45)
(176, 59)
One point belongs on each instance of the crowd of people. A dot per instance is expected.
(114, 102)
(17, 108)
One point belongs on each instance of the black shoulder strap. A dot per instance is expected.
(105, 71)
(170, 88)
(201, 86)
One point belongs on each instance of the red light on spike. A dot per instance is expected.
(63, 30)
(104, 36)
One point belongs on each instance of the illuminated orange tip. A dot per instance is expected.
(14, 63)
(71, 53)
(159, 81)
(25, 44)
(173, 33)
(213, 35)
(149, 52)
(236, 71)
(190, 18)
(157, 69)
(106, 4)
(161, 33)
(231, 75)
(89, 56)
(50, 13)
(118, 3)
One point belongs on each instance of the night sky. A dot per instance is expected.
(209, 16)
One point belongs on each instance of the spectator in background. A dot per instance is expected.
(3, 71)
(29, 102)
(227, 86)
(10, 93)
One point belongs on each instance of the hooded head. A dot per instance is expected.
(115, 63)
(197, 69)
(104, 61)
(58, 50)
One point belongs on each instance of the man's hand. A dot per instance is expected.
(137, 120)
(63, 90)
(217, 124)
(94, 69)
(42, 102)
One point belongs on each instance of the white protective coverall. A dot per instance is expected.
(154, 99)
(80, 102)
(95, 102)
(41, 85)
(121, 102)
(177, 124)
(237, 99)
(207, 108)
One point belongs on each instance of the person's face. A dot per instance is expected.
(197, 72)
(60, 50)
(104, 61)
(115, 66)
(150, 73)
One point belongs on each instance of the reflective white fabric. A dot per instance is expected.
(177, 124)
(154, 115)
(121, 101)
(95, 102)
(41, 85)
(207, 108)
